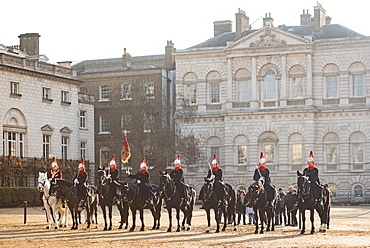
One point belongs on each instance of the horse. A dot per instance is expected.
(131, 193)
(258, 200)
(306, 201)
(172, 197)
(93, 211)
(211, 201)
(73, 200)
(52, 203)
(106, 198)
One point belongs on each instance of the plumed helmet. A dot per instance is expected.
(214, 160)
(178, 160)
(82, 163)
(113, 160)
(311, 157)
(143, 163)
(262, 158)
(54, 163)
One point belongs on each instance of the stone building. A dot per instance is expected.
(42, 114)
(135, 94)
(282, 90)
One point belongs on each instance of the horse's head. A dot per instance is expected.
(208, 188)
(42, 180)
(164, 180)
(254, 191)
(102, 177)
(303, 185)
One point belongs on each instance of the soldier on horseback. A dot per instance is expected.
(142, 180)
(263, 173)
(177, 175)
(313, 176)
(216, 173)
(80, 181)
(54, 172)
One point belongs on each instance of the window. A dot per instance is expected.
(297, 88)
(64, 147)
(269, 152)
(148, 122)
(215, 150)
(243, 91)
(126, 92)
(358, 85)
(46, 146)
(242, 154)
(104, 93)
(149, 90)
(191, 92)
(331, 87)
(358, 152)
(12, 141)
(331, 153)
(104, 124)
(104, 156)
(214, 92)
(82, 90)
(65, 97)
(270, 85)
(14, 89)
(358, 191)
(83, 149)
(21, 145)
(126, 122)
(46, 94)
(297, 153)
(82, 119)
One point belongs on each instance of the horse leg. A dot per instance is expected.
(65, 212)
(120, 209)
(189, 217)
(303, 217)
(208, 220)
(328, 218)
(133, 211)
(272, 220)
(217, 217)
(178, 219)
(256, 219)
(169, 211)
(155, 217)
(225, 217)
(142, 219)
(158, 213)
(312, 218)
(53, 203)
(47, 213)
(103, 208)
(96, 213)
(268, 222)
(88, 210)
(110, 216)
(262, 218)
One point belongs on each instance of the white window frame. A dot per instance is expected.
(83, 118)
(243, 92)
(327, 145)
(14, 88)
(149, 90)
(65, 147)
(360, 87)
(191, 94)
(104, 93)
(126, 92)
(83, 149)
(214, 92)
(295, 90)
(331, 87)
(266, 91)
(296, 153)
(46, 93)
(239, 155)
(267, 154)
(65, 97)
(46, 145)
(106, 125)
(126, 122)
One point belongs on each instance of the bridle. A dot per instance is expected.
(303, 187)
(257, 190)
(103, 182)
(172, 186)
(208, 191)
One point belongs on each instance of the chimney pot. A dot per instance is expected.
(241, 23)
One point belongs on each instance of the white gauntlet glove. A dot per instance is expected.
(76, 181)
(138, 181)
(109, 176)
(128, 173)
(212, 176)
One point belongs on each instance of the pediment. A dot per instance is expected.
(66, 130)
(268, 37)
(47, 128)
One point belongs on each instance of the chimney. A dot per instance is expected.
(306, 18)
(66, 64)
(220, 27)
(126, 58)
(242, 23)
(29, 43)
(268, 20)
(328, 20)
(319, 17)
(169, 58)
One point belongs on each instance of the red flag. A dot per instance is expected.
(126, 153)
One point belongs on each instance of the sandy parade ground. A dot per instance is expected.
(350, 227)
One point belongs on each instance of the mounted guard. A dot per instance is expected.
(113, 176)
(262, 173)
(80, 181)
(177, 175)
(313, 179)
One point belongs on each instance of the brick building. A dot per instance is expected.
(282, 90)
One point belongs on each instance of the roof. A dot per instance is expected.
(128, 68)
(328, 31)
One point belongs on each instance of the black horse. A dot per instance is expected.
(171, 195)
(137, 201)
(73, 200)
(258, 200)
(306, 201)
(107, 193)
(211, 201)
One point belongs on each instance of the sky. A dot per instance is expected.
(76, 30)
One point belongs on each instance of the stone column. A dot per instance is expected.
(283, 95)
(309, 76)
(229, 83)
(254, 100)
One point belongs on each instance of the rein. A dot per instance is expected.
(104, 184)
(173, 188)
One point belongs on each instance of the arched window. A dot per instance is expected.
(331, 141)
(190, 84)
(214, 147)
(214, 87)
(331, 81)
(14, 133)
(270, 85)
(242, 80)
(104, 156)
(297, 76)
(357, 78)
(268, 142)
(358, 191)
(357, 143)
(296, 142)
(241, 147)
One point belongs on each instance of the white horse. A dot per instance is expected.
(52, 203)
